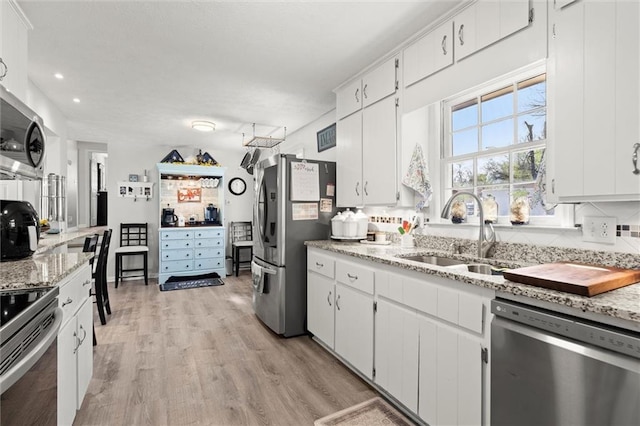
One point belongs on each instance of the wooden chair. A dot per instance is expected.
(241, 240)
(101, 290)
(133, 242)
(89, 246)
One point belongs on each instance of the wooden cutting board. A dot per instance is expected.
(573, 277)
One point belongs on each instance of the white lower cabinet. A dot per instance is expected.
(75, 344)
(340, 307)
(396, 352)
(431, 334)
(450, 375)
(354, 328)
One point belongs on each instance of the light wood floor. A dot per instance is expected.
(200, 356)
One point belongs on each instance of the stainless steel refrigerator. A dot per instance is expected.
(295, 201)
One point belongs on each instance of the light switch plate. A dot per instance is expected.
(599, 229)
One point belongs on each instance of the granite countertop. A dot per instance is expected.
(40, 270)
(623, 303)
(50, 241)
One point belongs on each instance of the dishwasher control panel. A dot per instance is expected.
(610, 338)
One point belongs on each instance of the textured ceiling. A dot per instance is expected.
(144, 70)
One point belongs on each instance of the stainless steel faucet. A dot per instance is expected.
(484, 243)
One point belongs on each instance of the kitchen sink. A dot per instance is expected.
(434, 260)
(481, 268)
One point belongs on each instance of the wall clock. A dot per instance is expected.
(237, 186)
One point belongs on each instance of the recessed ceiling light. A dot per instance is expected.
(203, 126)
(58, 76)
(76, 100)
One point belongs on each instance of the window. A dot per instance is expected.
(494, 144)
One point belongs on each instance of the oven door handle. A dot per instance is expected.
(25, 364)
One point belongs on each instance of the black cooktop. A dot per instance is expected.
(14, 302)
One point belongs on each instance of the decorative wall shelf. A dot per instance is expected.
(135, 190)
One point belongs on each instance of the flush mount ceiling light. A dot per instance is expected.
(203, 126)
(58, 76)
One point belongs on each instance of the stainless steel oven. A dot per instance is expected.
(554, 369)
(29, 357)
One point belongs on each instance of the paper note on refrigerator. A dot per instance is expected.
(305, 181)
(304, 211)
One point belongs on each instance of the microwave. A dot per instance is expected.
(22, 139)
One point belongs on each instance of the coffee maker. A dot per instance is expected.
(210, 214)
(168, 217)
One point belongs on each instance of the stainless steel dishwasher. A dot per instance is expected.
(553, 369)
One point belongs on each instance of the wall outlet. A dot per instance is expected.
(599, 229)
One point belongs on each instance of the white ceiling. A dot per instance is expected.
(144, 70)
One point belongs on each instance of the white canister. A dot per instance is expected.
(363, 223)
(337, 225)
(350, 227)
(181, 221)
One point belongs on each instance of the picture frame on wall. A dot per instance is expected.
(327, 138)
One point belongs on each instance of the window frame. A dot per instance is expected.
(509, 83)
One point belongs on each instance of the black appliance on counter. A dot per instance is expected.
(19, 229)
(168, 217)
(211, 214)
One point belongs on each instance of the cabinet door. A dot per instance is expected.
(396, 352)
(464, 34)
(354, 328)
(379, 153)
(85, 350)
(514, 15)
(67, 372)
(349, 161)
(566, 80)
(349, 99)
(428, 55)
(379, 83)
(450, 376)
(627, 115)
(320, 307)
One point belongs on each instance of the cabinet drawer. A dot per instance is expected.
(210, 233)
(214, 263)
(207, 253)
(176, 235)
(176, 244)
(177, 254)
(74, 292)
(321, 264)
(176, 266)
(209, 242)
(354, 275)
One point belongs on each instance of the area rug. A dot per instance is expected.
(191, 281)
(375, 412)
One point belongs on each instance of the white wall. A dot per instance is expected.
(304, 141)
(133, 157)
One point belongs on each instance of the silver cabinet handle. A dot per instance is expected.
(358, 188)
(461, 34)
(75, 335)
(365, 188)
(353, 277)
(3, 69)
(86, 283)
(444, 45)
(356, 95)
(634, 159)
(329, 298)
(320, 265)
(84, 336)
(68, 301)
(553, 186)
(364, 91)
(338, 302)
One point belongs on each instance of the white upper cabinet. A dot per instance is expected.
(13, 49)
(367, 139)
(594, 101)
(349, 99)
(429, 54)
(486, 22)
